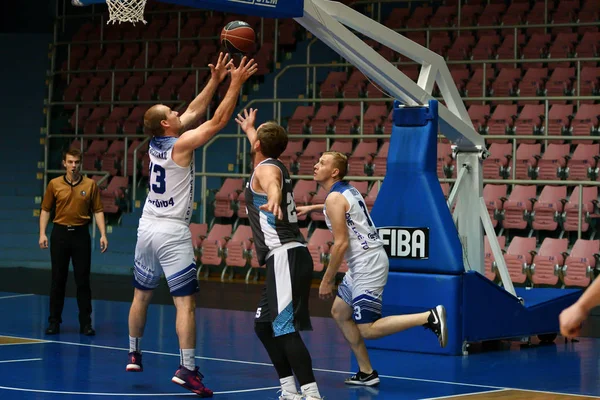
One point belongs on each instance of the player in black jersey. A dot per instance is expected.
(283, 309)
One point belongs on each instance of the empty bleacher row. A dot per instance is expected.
(493, 13)
(549, 264)
(224, 248)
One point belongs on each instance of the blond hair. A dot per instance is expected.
(340, 161)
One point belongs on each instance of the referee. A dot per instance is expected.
(76, 198)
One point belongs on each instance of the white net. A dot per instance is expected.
(126, 11)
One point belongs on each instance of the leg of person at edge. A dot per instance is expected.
(357, 306)
(74, 196)
(164, 241)
(283, 309)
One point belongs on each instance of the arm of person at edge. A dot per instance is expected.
(199, 105)
(301, 210)
(337, 206)
(269, 179)
(571, 319)
(192, 139)
(102, 228)
(47, 204)
(44, 218)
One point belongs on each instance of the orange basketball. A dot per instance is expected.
(238, 37)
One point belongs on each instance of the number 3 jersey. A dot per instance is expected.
(268, 231)
(171, 187)
(362, 233)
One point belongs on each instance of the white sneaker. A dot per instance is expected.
(306, 397)
(285, 395)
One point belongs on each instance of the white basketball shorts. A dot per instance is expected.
(362, 286)
(165, 246)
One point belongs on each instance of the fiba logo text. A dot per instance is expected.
(400, 242)
(268, 3)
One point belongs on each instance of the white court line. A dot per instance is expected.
(317, 369)
(16, 295)
(23, 360)
(465, 394)
(134, 394)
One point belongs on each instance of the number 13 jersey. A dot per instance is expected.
(171, 187)
(268, 231)
(362, 233)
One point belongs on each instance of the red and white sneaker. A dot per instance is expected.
(135, 362)
(192, 381)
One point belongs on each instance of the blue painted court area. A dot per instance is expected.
(236, 366)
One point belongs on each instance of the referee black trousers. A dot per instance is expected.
(70, 243)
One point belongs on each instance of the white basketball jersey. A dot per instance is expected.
(362, 233)
(171, 187)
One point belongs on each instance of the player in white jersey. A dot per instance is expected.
(357, 307)
(164, 243)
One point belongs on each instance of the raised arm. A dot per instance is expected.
(192, 139)
(246, 122)
(336, 211)
(199, 105)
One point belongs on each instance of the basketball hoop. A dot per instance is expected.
(121, 10)
(126, 10)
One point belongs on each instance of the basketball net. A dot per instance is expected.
(126, 11)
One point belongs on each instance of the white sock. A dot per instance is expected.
(311, 390)
(134, 344)
(288, 384)
(188, 359)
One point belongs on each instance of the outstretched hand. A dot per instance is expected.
(244, 71)
(273, 207)
(301, 210)
(223, 67)
(247, 120)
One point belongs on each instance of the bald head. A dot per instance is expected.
(153, 118)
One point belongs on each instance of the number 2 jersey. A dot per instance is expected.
(268, 231)
(362, 233)
(171, 193)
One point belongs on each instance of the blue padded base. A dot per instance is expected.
(491, 313)
(476, 308)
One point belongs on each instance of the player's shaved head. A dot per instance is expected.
(340, 161)
(153, 118)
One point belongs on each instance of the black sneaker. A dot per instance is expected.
(363, 379)
(53, 328)
(87, 330)
(437, 323)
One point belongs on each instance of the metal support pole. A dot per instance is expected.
(514, 158)
(362, 117)
(456, 188)
(579, 210)
(578, 81)
(496, 251)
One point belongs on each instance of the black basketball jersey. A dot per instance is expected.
(269, 232)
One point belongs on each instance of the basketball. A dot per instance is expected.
(238, 37)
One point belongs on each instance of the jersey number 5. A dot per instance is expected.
(158, 174)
